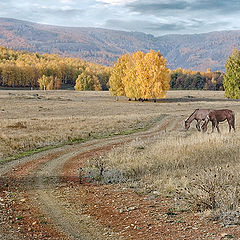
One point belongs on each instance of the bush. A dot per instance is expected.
(215, 189)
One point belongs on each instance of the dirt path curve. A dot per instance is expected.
(42, 179)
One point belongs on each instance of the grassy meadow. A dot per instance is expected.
(35, 119)
(203, 166)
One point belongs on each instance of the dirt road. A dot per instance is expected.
(42, 198)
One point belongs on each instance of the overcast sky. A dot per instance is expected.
(158, 17)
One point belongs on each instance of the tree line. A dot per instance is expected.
(49, 71)
(194, 80)
(137, 75)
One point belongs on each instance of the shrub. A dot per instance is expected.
(215, 188)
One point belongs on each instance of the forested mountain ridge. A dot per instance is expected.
(102, 46)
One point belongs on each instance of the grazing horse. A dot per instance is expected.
(198, 115)
(216, 116)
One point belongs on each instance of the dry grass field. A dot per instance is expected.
(35, 119)
(198, 171)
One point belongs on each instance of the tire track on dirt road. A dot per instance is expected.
(67, 219)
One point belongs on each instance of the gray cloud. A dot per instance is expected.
(145, 26)
(51, 12)
(188, 16)
(181, 26)
(157, 17)
(227, 7)
(145, 7)
(160, 6)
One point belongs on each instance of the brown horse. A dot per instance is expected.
(216, 116)
(198, 115)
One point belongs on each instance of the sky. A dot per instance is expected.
(157, 17)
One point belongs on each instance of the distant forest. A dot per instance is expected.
(30, 70)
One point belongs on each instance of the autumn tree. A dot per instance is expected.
(46, 83)
(103, 75)
(231, 80)
(117, 76)
(140, 75)
(153, 75)
(130, 80)
(9, 74)
(87, 81)
(189, 79)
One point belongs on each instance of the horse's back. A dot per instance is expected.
(202, 113)
(221, 115)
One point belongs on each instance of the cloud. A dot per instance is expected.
(144, 26)
(227, 7)
(157, 17)
(113, 2)
(186, 16)
(66, 1)
(158, 7)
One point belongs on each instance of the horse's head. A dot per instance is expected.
(204, 126)
(187, 125)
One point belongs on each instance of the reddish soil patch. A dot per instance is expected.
(26, 220)
(72, 166)
(19, 212)
(26, 168)
(140, 217)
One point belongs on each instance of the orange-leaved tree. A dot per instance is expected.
(117, 76)
(140, 75)
(132, 86)
(46, 82)
(87, 81)
(153, 76)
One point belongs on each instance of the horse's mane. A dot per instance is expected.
(192, 113)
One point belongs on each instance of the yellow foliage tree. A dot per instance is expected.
(153, 76)
(87, 81)
(46, 83)
(23, 69)
(117, 76)
(140, 76)
(131, 84)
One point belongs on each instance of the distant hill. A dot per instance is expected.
(102, 46)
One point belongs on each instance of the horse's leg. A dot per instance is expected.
(233, 122)
(218, 127)
(229, 123)
(213, 126)
(198, 125)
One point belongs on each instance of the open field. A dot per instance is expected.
(33, 119)
(140, 146)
